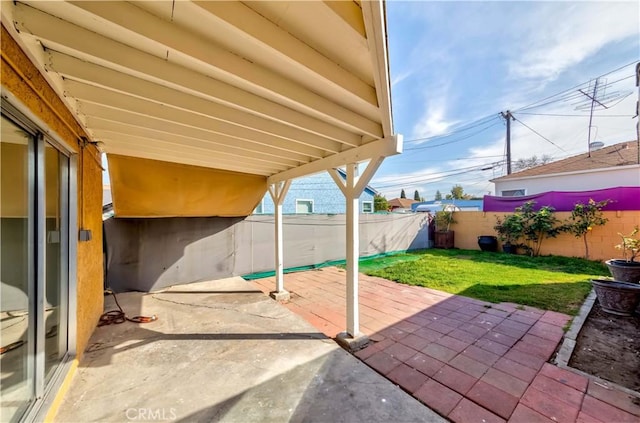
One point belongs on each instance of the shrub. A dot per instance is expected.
(630, 246)
(537, 225)
(509, 228)
(584, 217)
(444, 220)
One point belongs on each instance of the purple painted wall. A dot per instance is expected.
(624, 198)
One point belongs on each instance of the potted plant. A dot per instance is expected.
(627, 269)
(509, 230)
(444, 236)
(621, 296)
(615, 297)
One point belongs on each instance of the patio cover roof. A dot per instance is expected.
(273, 89)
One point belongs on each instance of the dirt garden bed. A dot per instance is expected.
(608, 346)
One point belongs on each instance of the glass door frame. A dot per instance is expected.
(45, 393)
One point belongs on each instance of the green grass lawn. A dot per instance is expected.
(549, 282)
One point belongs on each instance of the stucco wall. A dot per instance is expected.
(153, 188)
(601, 240)
(327, 197)
(24, 81)
(625, 176)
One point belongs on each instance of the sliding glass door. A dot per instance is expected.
(56, 182)
(34, 265)
(17, 289)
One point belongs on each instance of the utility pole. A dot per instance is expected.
(637, 116)
(508, 116)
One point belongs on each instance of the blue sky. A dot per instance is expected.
(457, 65)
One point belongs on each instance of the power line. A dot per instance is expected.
(471, 125)
(574, 87)
(461, 171)
(570, 115)
(424, 147)
(538, 134)
(452, 159)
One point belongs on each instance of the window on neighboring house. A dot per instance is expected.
(259, 208)
(304, 206)
(513, 193)
(367, 207)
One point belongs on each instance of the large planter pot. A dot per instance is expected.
(488, 243)
(444, 239)
(615, 297)
(625, 271)
(509, 248)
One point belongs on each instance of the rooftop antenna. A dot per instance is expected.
(598, 97)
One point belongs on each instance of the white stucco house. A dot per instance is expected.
(612, 166)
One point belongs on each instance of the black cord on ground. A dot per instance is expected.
(114, 317)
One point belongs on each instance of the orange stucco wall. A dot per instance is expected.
(153, 188)
(24, 81)
(601, 240)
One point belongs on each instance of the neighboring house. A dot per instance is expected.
(612, 166)
(456, 205)
(317, 194)
(401, 204)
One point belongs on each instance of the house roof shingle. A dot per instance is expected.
(621, 154)
(403, 203)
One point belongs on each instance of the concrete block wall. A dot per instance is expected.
(602, 240)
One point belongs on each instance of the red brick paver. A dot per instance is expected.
(469, 360)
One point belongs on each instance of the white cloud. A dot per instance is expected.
(401, 77)
(433, 122)
(556, 37)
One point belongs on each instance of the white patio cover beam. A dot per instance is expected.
(128, 60)
(150, 95)
(225, 64)
(380, 148)
(352, 188)
(278, 192)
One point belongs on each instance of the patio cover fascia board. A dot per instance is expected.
(380, 148)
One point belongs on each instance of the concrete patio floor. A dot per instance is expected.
(224, 351)
(469, 360)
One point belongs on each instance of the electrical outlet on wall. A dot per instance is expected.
(84, 235)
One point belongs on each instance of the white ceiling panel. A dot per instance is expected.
(268, 88)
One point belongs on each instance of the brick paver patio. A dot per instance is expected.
(469, 360)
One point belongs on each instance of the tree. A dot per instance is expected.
(416, 195)
(438, 196)
(402, 194)
(457, 193)
(538, 225)
(533, 161)
(380, 203)
(584, 217)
